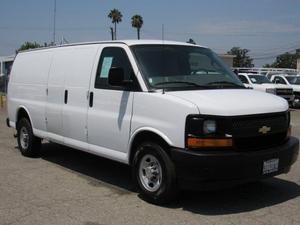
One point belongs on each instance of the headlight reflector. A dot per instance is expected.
(271, 91)
(209, 126)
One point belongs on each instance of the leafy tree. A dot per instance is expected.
(286, 60)
(116, 17)
(191, 41)
(137, 22)
(242, 59)
(30, 45)
(267, 65)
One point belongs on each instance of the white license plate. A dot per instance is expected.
(270, 166)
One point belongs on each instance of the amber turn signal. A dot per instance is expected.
(204, 143)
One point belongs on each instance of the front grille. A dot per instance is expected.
(259, 142)
(261, 131)
(297, 94)
(284, 91)
(249, 127)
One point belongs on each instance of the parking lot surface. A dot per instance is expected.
(65, 186)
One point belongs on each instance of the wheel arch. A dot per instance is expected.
(23, 112)
(147, 134)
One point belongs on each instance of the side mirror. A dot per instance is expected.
(116, 76)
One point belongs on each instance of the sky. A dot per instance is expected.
(265, 27)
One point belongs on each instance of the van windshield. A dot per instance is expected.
(293, 79)
(259, 79)
(179, 67)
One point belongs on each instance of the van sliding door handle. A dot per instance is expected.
(91, 99)
(66, 96)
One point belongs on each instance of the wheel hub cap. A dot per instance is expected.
(150, 173)
(24, 138)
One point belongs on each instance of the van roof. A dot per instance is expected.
(126, 42)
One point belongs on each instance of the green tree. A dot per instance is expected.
(30, 45)
(191, 41)
(242, 58)
(137, 22)
(116, 17)
(286, 60)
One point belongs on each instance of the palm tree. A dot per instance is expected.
(137, 22)
(116, 17)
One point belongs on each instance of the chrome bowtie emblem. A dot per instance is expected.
(264, 130)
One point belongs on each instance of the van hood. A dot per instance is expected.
(233, 102)
(282, 86)
(296, 87)
(267, 85)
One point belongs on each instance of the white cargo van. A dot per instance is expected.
(288, 81)
(173, 111)
(262, 83)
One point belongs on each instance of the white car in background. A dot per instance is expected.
(262, 83)
(291, 81)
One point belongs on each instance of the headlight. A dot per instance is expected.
(271, 91)
(204, 132)
(209, 127)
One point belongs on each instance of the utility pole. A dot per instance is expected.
(163, 32)
(54, 24)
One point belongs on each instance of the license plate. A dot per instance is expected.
(270, 166)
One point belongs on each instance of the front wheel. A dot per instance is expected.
(154, 173)
(29, 145)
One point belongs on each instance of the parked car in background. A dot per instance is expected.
(262, 83)
(289, 81)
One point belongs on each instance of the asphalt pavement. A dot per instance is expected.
(65, 186)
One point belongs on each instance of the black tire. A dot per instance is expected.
(167, 190)
(33, 144)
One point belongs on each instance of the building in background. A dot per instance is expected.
(228, 59)
(5, 67)
(298, 64)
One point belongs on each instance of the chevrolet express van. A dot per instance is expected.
(262, 83)
(173, 111)
(292, 81)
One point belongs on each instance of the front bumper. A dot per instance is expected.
(213, 169)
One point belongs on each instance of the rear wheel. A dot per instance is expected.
(29, 145)
(154, 173)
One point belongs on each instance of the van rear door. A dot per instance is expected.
(68, 94)
(55, 95)
(78, 69)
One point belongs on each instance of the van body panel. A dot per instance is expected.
(27, 86)
(164, 113)
(55, 96)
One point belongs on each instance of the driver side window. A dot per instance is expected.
(113, 57)
(243, 79)
(279, 80)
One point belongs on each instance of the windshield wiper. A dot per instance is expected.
(180, 82)
(225, 84)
